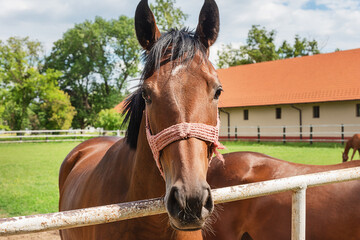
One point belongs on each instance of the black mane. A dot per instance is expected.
(178, 46)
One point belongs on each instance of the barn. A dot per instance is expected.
(312, 97)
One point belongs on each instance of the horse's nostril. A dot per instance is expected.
(209, 204)
(176, 201)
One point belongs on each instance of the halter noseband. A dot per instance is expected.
(181, 131)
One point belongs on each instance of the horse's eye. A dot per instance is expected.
(145, 96)
(218, 93)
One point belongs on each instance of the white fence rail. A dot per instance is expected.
(123, 211)
(55, 135)
(306, 133)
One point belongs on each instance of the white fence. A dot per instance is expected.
(55, 135)
(123, 211)
(305, 133)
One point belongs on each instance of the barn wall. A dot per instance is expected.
(331, 113)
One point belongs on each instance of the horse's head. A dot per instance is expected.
(345, 157)
(181, 90)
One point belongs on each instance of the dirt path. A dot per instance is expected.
(52, 235)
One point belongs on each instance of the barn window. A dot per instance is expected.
(278, 113)
(358, 110)
(246, 114)
(316, 112)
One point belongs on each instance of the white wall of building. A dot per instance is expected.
(331, 113)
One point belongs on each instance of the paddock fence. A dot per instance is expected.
(304, 133)
(56, 135)
(124, 211)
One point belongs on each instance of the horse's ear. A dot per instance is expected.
(208, 26)
(146, 30)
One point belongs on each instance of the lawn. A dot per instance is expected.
(29, 177)
(317, 153)
(29, 171)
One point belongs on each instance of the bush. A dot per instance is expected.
(109, 119)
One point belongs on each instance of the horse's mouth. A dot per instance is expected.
(187, 227)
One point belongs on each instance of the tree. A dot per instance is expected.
(301, 47)
(22, 83)
(3, 125)
(167, 15)
(109, 119)
(260, 47)
(54, 111)
(96, 60)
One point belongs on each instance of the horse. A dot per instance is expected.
(354, 143)
(332, 211)
(172, 119)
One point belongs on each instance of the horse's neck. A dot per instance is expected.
(348, 146)
(146, 181)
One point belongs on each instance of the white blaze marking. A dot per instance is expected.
(177, 69)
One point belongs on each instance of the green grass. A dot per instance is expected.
(317, 153)
(29, 171)
(29, 177)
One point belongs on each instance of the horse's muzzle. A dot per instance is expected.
(188, 210)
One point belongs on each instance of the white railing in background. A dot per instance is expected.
(124, 211)
(306, 133)
(55, 135)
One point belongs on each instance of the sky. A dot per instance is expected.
(333, 23)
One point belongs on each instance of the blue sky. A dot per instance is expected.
(333, 23)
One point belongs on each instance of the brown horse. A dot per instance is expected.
(179, 86)
(354, 143)
(332, 211)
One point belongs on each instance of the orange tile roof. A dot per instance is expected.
(319, 78)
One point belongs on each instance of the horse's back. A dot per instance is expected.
(76, 170)
(97, 146)
(332, 209)
(74, 174)
(356, 141)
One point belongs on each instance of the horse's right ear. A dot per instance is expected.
(146, 30)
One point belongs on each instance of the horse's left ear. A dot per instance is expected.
(208, 26)
(147, 32)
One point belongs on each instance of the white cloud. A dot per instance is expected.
(334, 25)
(333, 22)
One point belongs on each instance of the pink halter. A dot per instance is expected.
(182, 131)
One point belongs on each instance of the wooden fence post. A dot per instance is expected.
(284, 134)
(236, 133)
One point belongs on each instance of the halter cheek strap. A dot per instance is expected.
(182, 131)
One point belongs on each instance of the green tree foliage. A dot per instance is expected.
(22, 84)
(301, 47)
(260, 47)
(3, 125)
(96, 60)
(55, 111)
(167, 15)
(109, 119)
